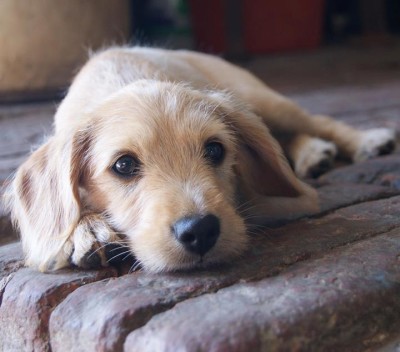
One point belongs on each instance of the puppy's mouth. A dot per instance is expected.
(188, 262)
(193, 242)
(200, 263)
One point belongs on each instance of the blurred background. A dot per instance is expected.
(44, 42)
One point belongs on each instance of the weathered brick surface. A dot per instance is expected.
(383, 171)
(11, 259)
(7, 233)
(384, 117)
(339, 195)
(351, 100)
(341, 301)
(21, 127)
(312, 73)
(28, 300)
(393, 345)
(127, 303)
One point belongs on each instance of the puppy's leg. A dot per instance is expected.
(354, 144)
(282, 115)
(90, 239)
(87, 246)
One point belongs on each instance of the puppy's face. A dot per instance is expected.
(160, 164)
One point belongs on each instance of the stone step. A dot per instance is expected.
(28, 297)
(129, 302)
(348, 300)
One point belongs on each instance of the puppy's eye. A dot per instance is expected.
(126, 166)
(214, 152)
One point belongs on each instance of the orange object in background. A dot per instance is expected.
(272, 26)
(265, 26)
(208, 24)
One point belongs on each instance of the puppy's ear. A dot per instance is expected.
(44, 199)
(261, 164)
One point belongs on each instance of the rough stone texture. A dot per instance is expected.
(11, 259)
(27, 301)
(346, 101)
(340, 74)
(127, 303)
(392, 346)
(7, 232)
(21, 128)
(338, 195)
(343, 301)
(384, 171)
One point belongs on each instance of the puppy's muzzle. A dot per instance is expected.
(197, 233)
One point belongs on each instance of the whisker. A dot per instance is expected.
(254, 232)
(121, 242)
(249, 217)
(117, 255)
(127, 256)
(105, 245)
(117, 248)
(244, 204)
(97, 249)
(248, 209)
(134, 266)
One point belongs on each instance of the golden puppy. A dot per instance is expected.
(171, 152)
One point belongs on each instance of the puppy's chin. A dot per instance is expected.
(178, 259)
(189, 263)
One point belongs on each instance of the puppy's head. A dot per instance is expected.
(161, 166)
(165, 165)
(168, 166)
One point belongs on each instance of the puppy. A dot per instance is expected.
(171, 154)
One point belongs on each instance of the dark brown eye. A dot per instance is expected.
(126, 166)
(214, 152)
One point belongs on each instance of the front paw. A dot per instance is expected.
(374, 142)
(92, 240)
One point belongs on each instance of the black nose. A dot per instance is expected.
(198, 234)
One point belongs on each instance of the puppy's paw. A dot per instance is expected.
(374, 142)
(314, 157)
(90, 239)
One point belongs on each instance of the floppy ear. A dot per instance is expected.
(261, 164)
(44, 198)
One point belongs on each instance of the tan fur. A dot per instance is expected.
(161, 106)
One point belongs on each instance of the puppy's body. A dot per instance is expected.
(192, 128)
